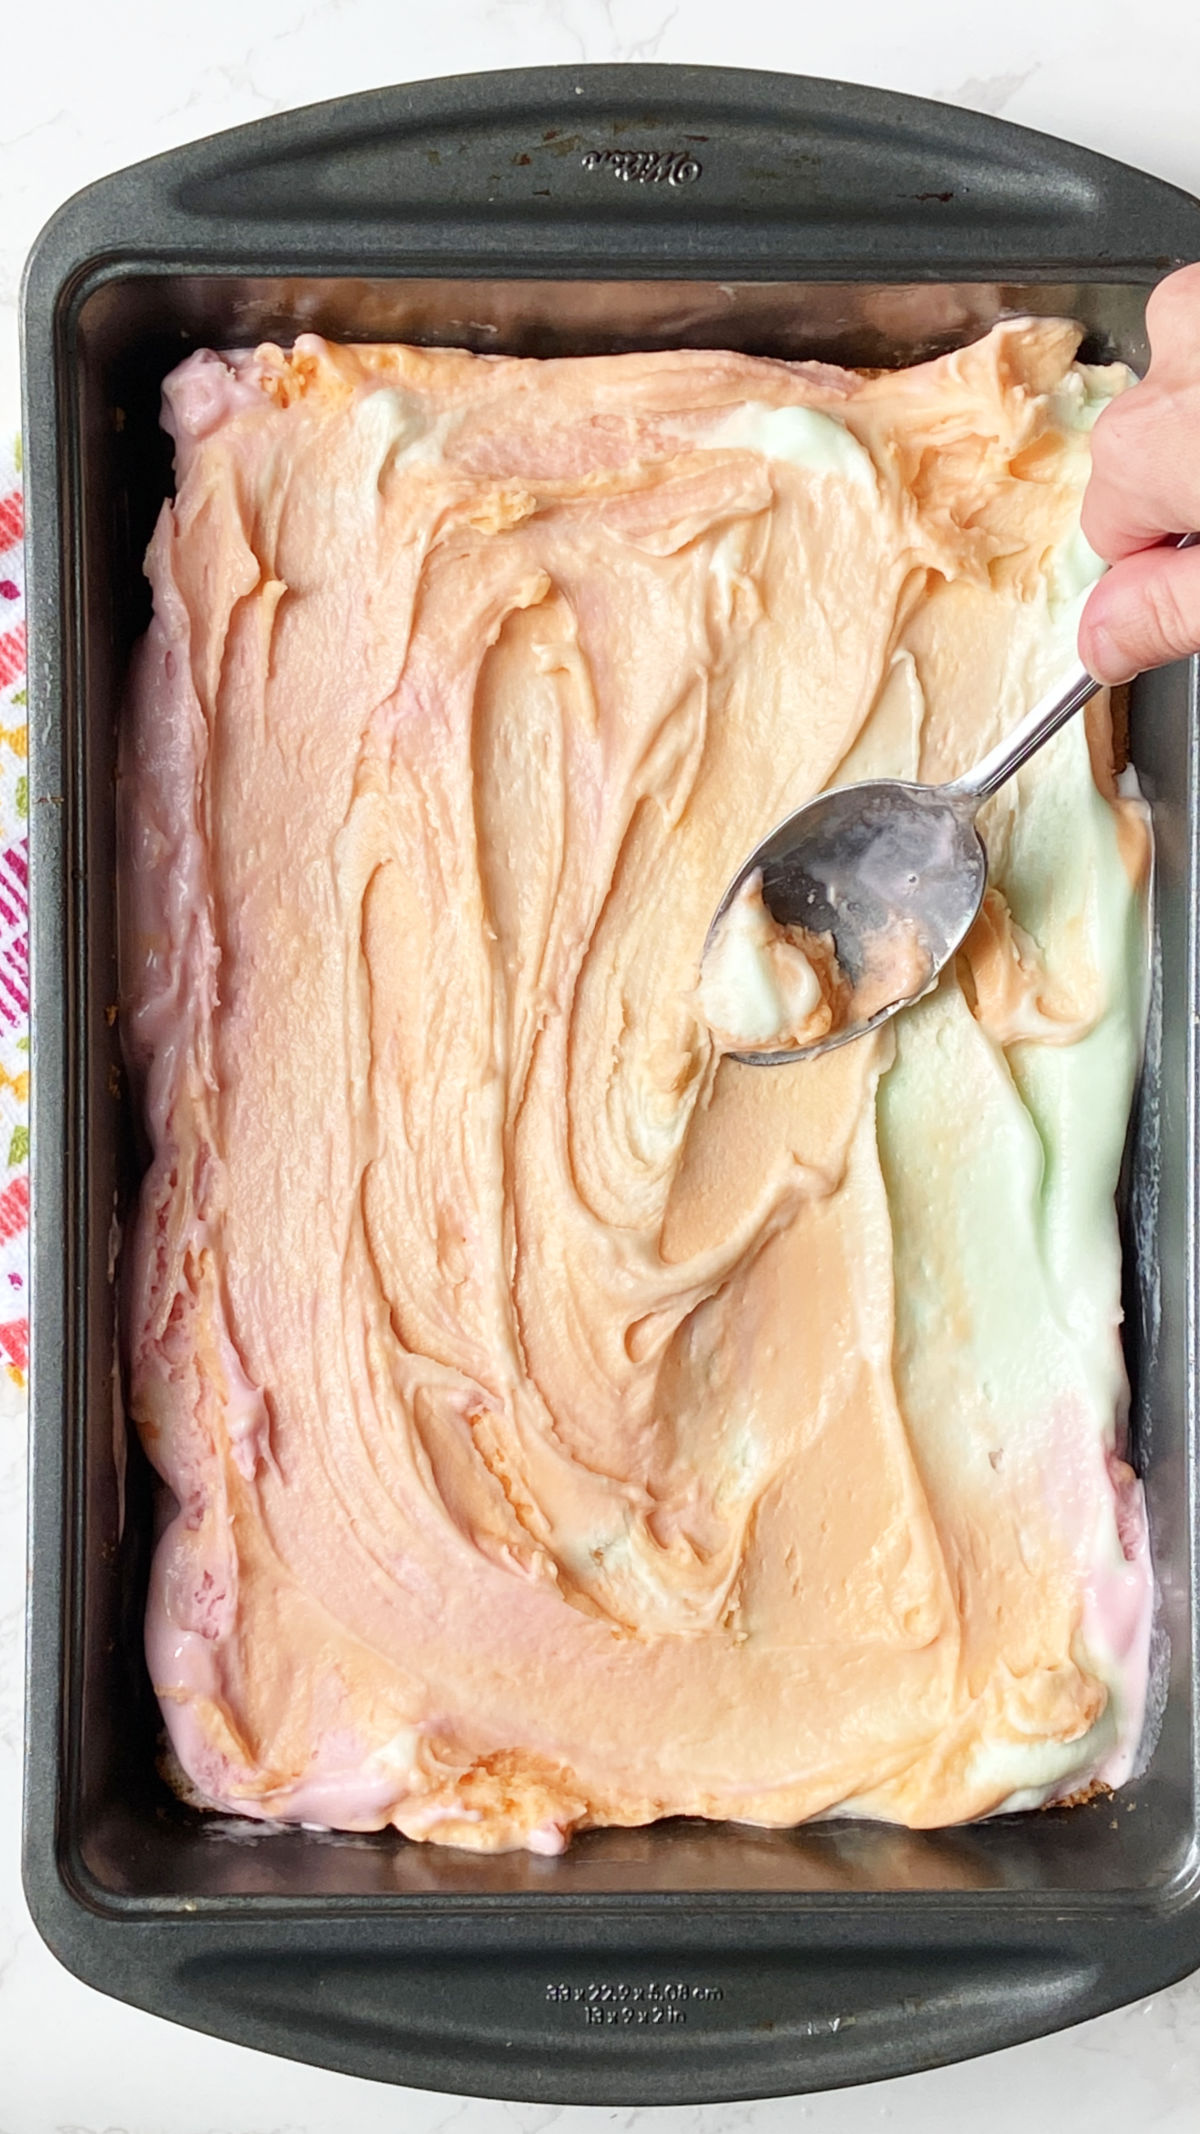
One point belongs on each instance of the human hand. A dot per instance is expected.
(1145, 484)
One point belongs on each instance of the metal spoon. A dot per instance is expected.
(892, 871)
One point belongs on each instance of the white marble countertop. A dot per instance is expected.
(89, 87)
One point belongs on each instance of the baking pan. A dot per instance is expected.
(562, 210)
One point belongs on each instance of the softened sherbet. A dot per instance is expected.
(568, 1425)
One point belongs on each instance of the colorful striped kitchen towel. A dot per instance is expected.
(14, 929)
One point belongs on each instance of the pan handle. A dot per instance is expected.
(642, 170)
(672, 2028)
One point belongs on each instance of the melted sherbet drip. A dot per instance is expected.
(569, 1425)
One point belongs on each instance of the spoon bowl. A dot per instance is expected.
(890, 872)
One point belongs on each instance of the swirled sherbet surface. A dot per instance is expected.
(565, 1423)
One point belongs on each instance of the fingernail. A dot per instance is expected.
(1100, 647)
(1104, 657)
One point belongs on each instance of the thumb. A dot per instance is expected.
(1144, 612)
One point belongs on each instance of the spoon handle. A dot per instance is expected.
(1048, 714)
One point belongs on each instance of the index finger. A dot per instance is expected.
(1145, 480)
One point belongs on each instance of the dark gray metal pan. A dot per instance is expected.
(564, 210)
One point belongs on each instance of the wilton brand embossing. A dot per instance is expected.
(645, 166)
